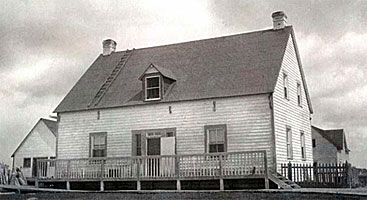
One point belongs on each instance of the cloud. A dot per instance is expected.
(46, 46)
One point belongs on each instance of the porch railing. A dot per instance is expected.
(234, 164)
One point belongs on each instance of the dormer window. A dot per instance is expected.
(156, 81)
(152, 88)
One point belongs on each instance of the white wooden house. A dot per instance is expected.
(243, 93)
(39, 143)
(329, 146)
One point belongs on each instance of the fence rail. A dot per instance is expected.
(235, 164)
(317, 175)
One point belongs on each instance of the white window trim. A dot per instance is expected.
(303, 145)
(146, 89)
(286, 85)
(299, 92)
(212, 127)
(91, 147)
(289, 142)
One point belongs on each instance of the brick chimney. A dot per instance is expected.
(109, 46)
(279, 20)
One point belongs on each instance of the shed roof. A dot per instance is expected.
(241, 64)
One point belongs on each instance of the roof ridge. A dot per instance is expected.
(208, 39)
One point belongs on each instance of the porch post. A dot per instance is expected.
(37, 175)
(177, 172)
(266, 171)
(67, 185)
(138, 184)
(178, 185)
(102, 186)
(221, 182)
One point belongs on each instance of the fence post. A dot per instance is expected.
(347, 169)
(289, 171)
(315, 173)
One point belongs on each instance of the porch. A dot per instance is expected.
(169, 168)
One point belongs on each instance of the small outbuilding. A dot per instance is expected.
(40, 143)
(329, 146)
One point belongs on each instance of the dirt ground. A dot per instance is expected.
(309, 193)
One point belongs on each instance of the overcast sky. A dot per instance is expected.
(46, 46)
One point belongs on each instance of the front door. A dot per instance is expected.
(154, 148)
(35, 166)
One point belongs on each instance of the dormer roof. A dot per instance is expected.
(152, 68)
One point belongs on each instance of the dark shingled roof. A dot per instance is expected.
(241, 64)
(334, 136)
(52, 125)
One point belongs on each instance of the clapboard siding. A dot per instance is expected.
(248, 122)
(40, 142)
(287, 112)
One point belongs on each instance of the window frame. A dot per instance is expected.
(30, 162)
(303, 145)
(146, 87)
(207, 128)
(299, 94)
(285, 85)
(91, 146)
(289, 144)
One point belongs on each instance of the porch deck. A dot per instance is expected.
(233, 165)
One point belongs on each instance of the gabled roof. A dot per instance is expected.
(335, 137)
(50, 124)
(165, 72)
(242, 64)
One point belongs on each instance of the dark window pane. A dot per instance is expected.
(313, 143)
(152, 82)
(99, 153)
(212, 148)
(153, 93)
(138, 151)
(26, 163)
(220, 147)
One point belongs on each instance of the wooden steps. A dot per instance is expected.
(282, 182)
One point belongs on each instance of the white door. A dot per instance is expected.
(168, 164)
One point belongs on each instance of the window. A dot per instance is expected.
(216, 138)
(26, 162)
(152, 88)
(303, 145)
(285, 85)
(98, 144)
(138, 144)
(299, 94)
(289, 142)
(313, 143)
